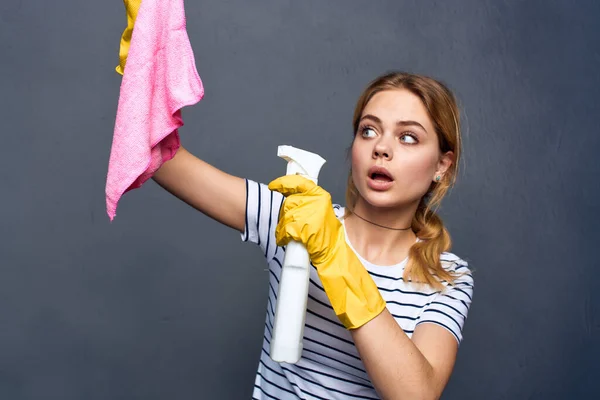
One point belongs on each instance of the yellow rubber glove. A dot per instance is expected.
(307, 216)
(131, 7)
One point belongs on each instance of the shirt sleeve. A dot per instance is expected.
(262, 213)
(450, 308)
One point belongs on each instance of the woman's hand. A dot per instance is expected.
(307, 216)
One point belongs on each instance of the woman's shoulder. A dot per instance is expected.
(457, 266)
(452, 262)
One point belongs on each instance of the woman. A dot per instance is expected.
(387, 301)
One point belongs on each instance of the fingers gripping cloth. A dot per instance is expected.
(307, 216)
(159, 79)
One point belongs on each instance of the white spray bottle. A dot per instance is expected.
(292, 296)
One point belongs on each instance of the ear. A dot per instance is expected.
(444, 163)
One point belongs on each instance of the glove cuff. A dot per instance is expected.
(352, 292)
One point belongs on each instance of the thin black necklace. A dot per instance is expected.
(381, 226)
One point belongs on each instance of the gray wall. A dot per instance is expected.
(164, 303)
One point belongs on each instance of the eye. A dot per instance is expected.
(409, 138)
(367, 131)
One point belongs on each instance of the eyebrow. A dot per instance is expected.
(399, 123)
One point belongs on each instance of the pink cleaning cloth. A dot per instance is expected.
(160, 78)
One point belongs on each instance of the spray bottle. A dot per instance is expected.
(292, 296)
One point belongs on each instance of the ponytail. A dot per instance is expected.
(424, 264)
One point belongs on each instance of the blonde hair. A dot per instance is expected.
(424, 265)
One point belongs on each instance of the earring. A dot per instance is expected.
(437, 178)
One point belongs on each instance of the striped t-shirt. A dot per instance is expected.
(330, 366)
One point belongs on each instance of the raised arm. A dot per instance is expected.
(209, 190)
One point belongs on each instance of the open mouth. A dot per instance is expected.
(376, 176)
(380, 174)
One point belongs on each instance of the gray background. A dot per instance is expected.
(165, 303)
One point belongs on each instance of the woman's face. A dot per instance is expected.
(395, 153)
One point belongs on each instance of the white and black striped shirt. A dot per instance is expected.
(330, 367)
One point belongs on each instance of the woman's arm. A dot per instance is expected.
(405, 368)
(209, 190)
(399, 367)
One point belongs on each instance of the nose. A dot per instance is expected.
(382, 150)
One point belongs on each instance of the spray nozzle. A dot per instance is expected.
(301, 162)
